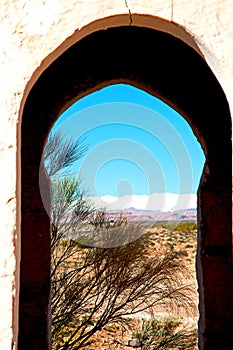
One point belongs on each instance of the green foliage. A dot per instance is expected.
(186, 226)
(85, 242)
(176, 226)
(69, 208)
(167, 333)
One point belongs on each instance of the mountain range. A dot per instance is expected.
(148, 215)
(153, 207)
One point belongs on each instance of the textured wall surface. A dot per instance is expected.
(31, 30)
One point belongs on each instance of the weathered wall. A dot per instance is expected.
(31, 30)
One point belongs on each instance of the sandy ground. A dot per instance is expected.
(112, 337)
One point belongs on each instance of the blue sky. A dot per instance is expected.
(136, 143)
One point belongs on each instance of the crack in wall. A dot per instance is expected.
(130, 14)
(172, 8)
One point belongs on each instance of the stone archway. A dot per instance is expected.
(166, 67)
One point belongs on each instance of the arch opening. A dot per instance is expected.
(142, 164)
(156, 62)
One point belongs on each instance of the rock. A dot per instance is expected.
(134, 343)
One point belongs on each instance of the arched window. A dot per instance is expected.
(166, 67)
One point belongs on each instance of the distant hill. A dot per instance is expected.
(149, 215)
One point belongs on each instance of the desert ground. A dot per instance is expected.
(176, 236)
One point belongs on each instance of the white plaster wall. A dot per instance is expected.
(30, 30)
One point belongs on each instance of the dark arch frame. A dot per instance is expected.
(171, 70)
